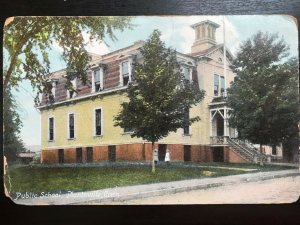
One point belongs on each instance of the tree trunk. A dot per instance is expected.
(153, 163)
(143, 152)
(290, 150)
(261, 155)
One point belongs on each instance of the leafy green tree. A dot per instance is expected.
(12, 143)
(27, 41)
(264, 95)
(159, 96)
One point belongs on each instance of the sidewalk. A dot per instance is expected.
(148, 190)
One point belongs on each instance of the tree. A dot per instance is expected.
(160, 95)
(264, 95)
(28, 39)
(12, 144)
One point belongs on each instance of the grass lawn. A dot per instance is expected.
(63, 179)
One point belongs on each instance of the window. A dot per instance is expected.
(72, 93)
(97, 80)
(216, 85)
(71, 126)
(222, 85)
(219, 80)
(125, 72)
(186, 72)
(186, 124)
(51, 129)
(53, 90)
(98, 118)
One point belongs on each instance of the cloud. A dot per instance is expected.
(94, 46)
(91, 45)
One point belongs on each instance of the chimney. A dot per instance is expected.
(205, 36)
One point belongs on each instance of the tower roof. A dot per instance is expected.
(206, 22)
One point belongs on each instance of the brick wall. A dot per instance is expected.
(148, 151)
(129, 152)
(231, 156)
(49, 156)
(205, 154)
(140, 152)
(70, 155)
(112, 75)
(100, 153)
(196, 153)
(176, 152)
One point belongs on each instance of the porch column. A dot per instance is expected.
(210, 123)
(226, 128)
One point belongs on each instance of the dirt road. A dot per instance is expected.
(279, 190)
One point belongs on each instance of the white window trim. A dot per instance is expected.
(100, 68)
(94, 122)
(219, 85)
(74, 84)
(68, 128)
(129, 60)
(40, 98)
(48, 131)
(53, 90)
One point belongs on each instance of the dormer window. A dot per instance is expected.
(125, 72)
(54, 83)
(53, 90)
(97, 80)
(72, 93)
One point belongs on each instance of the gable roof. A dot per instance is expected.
(211, 50)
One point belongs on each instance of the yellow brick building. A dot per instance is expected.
(79, 127)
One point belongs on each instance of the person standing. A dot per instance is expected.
(155, 156)
(167, 156)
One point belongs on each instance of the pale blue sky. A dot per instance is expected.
(177, 33)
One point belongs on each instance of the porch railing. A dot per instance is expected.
(219, 140)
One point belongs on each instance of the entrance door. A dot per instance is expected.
(60, 156)
(220, 125)
(187, 153)
(89, 154)
(218, 154)
(162, 152)
(79, 155)
(112, 153)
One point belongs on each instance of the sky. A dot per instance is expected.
(176, 33)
